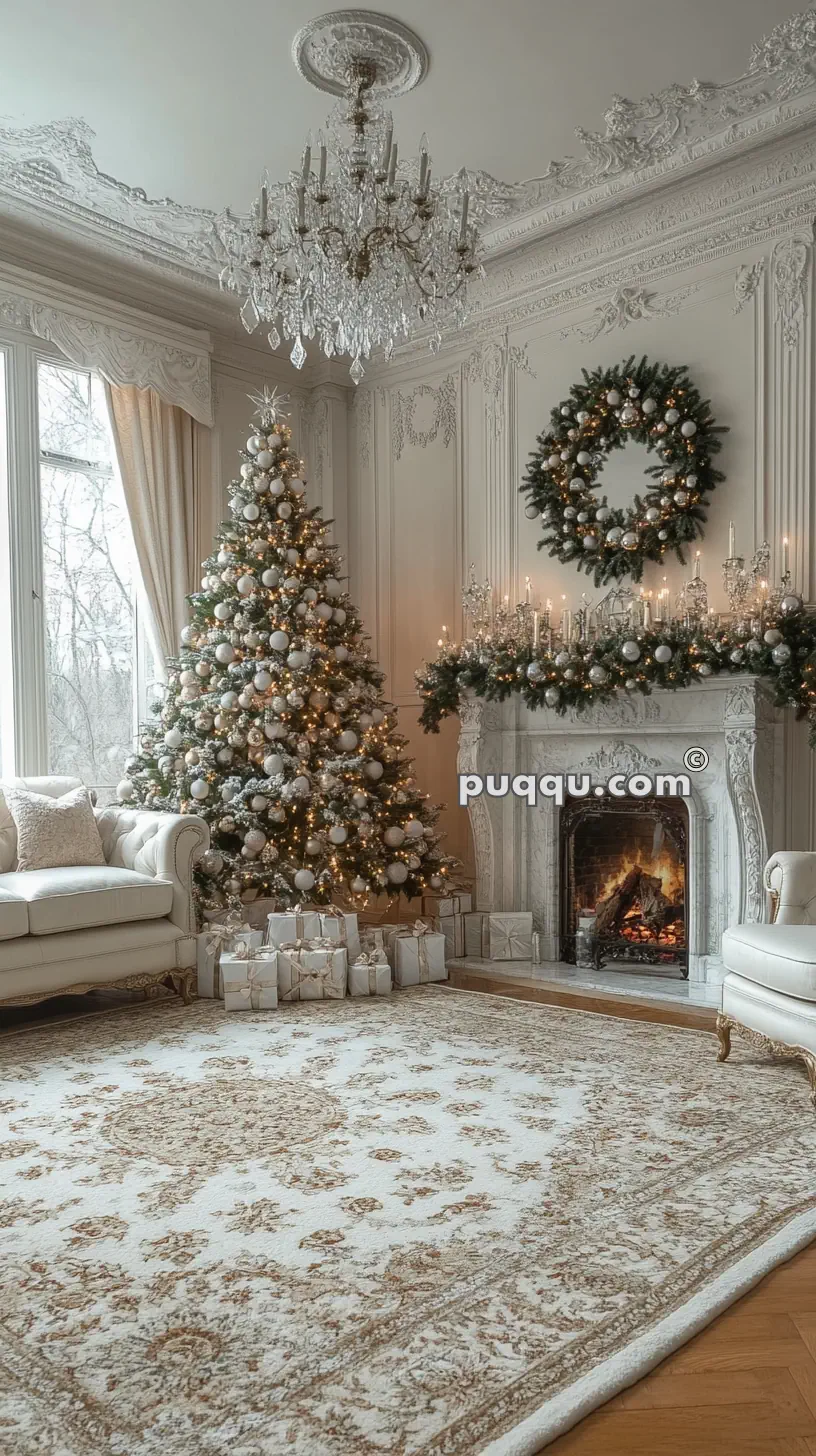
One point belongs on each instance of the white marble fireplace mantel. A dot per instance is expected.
(733, 809)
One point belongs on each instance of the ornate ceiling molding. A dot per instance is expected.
(122, 350)
(323, 48)
(48, 172)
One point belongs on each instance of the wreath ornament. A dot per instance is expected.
(656, 405)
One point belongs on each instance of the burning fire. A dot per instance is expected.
(662, 867)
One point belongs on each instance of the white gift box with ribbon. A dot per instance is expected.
(477, 934)
(312, 970)
(250, 977)
(511, 936)
(218, 937)
(370, 975)
(458, 904)
(453, 929)
(389, 936)
(341, 927)
(419, 956)
(292, 925)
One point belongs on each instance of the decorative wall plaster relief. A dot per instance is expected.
(361, 406)
(740, 748)
(314, 416)
(444, 415)
(791, 264)
(747, 282)
(119, 355)
(52, 166)
(628, 306)
(488, 366)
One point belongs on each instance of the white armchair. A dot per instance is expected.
(769, 993)
(129, 923)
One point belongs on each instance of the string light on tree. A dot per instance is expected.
(274, 712)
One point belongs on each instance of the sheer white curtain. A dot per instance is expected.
(165, 463)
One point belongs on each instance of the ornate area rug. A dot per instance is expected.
(439, 1223)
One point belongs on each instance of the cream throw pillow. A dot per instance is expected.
(53, 832)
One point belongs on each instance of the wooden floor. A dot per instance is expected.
(746, 1386)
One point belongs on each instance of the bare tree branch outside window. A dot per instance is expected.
(90, 578)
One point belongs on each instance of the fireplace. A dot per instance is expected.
(743, 802)
(624, 882)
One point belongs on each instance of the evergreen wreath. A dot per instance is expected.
(656, 405)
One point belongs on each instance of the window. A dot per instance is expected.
(83, 669)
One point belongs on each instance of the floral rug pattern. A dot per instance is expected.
(378, 1227)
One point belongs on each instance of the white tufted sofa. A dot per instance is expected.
(129, 922)
(769, 993)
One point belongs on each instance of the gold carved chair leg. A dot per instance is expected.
(762, 1043)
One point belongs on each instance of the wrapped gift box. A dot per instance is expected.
(312, 972)
(337, 925)
(389, 936)
(439, 905)
(477, 934)
(257, 912)
(372, 937)
(210, 946)
(250, 978)
(511, 936)
(292, 925)
(419, 957)
(370, 975)
(453, 929)
(499, 935)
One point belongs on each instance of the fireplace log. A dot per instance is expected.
(657, 910)
(611, 911)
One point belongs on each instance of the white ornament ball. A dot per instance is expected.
(688, 428)
(680, 498)
(246, 585)
(273, 764)
(297, 659)
(304, 880)
(251, 511)
(173, 738)
(663, 653)
(190, 693)
(649, 406)
(284, 511)
(337, 834)
(614, 535)
(255, 839)
(262, 680)
(552, 697)
(394, 836)
(323, 611)
(271, 576)
(341, 653)
(613, 397)
(224, 755)
(629, 540)
(590, 541)
(414, 829)
(359, 800)
(373, 770)
(652, 514)
(264, 458)
(279, 641)
(222, 611)
(225, 653)
(671, 416)
(531, 512)
(630, 651)
(125, 791)
(301, 784)
(781, 653)
(397, 873)
(200, 789)
(347, 741)
(773, 636)
(254, 444)
(339, 616)
(333, 587)
(598, 674)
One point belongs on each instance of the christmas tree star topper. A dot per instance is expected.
(269, 404)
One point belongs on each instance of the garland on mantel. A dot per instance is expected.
(631, 661)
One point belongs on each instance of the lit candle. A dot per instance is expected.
(323, 160)
(697, 567)
(301, 197)
(647, 613)
(307, 160)
(784, 555)
(527, 590)
(566, 625)
(536, 628)
(732, 540)
(658, 611)
(386, 155)
(423, 165)
(264, 208)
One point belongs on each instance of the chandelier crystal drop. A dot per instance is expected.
(357, 248)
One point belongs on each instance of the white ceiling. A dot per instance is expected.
(191, 98)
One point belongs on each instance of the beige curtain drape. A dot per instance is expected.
(165, 463)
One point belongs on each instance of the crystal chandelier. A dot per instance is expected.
(356, 248)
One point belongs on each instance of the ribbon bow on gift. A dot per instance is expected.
(417, 932)
(372, 960)
(218, 934)
(317, 942)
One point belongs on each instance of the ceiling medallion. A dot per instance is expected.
(358, 247)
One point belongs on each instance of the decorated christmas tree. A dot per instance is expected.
(273, 726)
